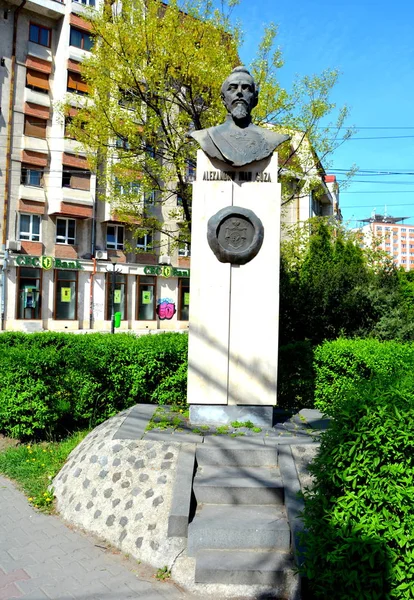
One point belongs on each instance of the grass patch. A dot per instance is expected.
(168, 417)
(33, 466)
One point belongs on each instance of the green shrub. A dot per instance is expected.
(344, 366)
(55, 383)
(295, 384)
(359, 517)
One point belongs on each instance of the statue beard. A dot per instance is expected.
(239, 110)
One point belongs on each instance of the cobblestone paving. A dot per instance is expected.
(41, 558)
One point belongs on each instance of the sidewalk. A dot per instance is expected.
(41, 558)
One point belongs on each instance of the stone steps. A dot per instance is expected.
(238, 485)
(245, 568)
(239, 527)
(240, 533)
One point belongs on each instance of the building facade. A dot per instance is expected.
(391, 235)
(59, 245)
(65, 257)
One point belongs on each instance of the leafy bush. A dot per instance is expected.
(345, 366)
(295, 385)
(54, 383)
(359, 517)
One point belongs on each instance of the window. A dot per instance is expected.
(85, 2)
(35, 127)
(379, 228)
(80, 39)
(183, 298)
(149, 198)
(191, 171)
(28, 293)
(122, 143)
(29, 228)
(115, 237)
(387, 228)
(131, 187)
(65, 231)
(31, 176)
(40, 35)
(146, 299)
(66, 294)
(411, 231)
(76, 84)
(184, 248)
(120, 295)
(77, 179)
(403, 229)
(37, 81)
(144, 242)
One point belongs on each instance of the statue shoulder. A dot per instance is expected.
(271, 136)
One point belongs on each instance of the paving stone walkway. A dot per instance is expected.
(41, 558)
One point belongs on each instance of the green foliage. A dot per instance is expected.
(295, 384)
(359, 517)
(347, 366)
(330, 287)
(51, 383)
(34, 466)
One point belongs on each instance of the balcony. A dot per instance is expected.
(54, 9)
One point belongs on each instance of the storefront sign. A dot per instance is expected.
(166, 271)
(117, 296)
(47, 262)
(146, 297)
(186, 298)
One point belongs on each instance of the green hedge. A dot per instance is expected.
(54, 383)
(345, 366)
(360, 516)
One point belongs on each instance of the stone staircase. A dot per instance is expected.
(240, 532)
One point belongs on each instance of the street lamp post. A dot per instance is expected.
(114, 260)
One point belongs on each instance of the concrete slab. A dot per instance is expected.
(133, 427)
(224, 414)
(182, 491)
(239, 527)
(249, 568)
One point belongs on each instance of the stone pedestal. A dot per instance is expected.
(234, 309)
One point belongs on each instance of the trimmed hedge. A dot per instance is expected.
(359, 518)
(346, 366)
(55, 383)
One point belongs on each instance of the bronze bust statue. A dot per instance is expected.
(237, 141)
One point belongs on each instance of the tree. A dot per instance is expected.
(154, 74)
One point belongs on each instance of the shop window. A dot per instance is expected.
(183, 298)
(37, 81)
(29, 228)
(65, 231)
(115, 237)
(144, 242)
(147, 296)
(31, 176)
(76, 84)
(28, 293)
(77, 179)
(119, 297)
(80, 39)
(40, 35)
(35, 127)
(66, 295)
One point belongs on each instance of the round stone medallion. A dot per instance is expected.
(235, 235)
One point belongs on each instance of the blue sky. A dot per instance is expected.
(371, 44)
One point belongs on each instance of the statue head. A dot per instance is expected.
(239, 93)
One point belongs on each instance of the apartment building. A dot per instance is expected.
(393, 236)
(63, 255)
